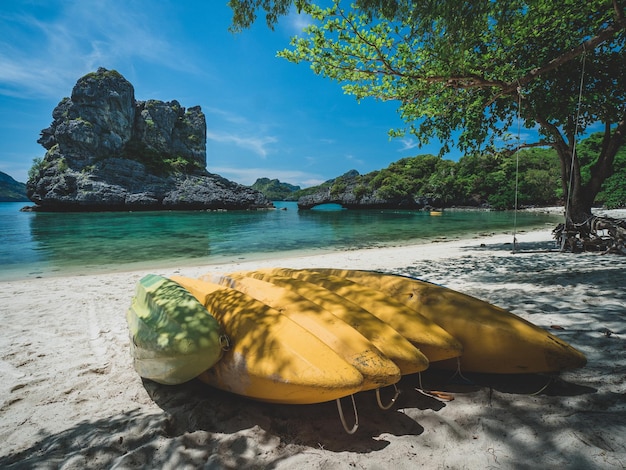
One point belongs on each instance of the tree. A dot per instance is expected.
(463, 72)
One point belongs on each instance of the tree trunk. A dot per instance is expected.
(579, 197)
(578, 200)
(582, 231)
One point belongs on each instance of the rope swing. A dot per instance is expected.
(571, 171)
(519, 145)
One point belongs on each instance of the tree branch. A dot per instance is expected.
(589, 45)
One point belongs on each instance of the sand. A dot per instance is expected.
(70, 398)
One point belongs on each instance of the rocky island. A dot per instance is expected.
(354, 191)
(108, 151)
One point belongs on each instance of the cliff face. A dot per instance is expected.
(107, 151)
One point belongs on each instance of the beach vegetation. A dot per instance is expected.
(339, 186)
(103, 73)
(11, 190)
(180, 164)
(359, 191)
(464, 74)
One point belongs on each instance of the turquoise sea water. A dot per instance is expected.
(43, 244)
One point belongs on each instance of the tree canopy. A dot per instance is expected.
(464, 72)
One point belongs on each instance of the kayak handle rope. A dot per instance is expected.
(437, 395)
(458, 371)
(393, 400)
(343, 419)
(550, 380)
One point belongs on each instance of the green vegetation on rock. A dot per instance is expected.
(274, 190)
(158, 163)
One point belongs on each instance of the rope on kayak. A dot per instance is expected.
(343, 419)
(437, 395)
(393, 400)
(458, 371)
(550, 380)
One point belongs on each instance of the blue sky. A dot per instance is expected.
(266, 117)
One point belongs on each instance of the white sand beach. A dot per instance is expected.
(70, 398)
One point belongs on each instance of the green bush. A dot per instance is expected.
(38, 166)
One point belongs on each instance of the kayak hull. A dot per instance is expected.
(271, 358)
(494, 340)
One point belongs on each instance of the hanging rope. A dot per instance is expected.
(519, 144)
(571, 171)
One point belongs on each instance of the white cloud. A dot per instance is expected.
(353, 159)
(408, 144)
(312, 182)
(226, 115)
(296, 22)
(257, 144)
(44, 56)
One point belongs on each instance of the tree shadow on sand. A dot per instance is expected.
(201, 424)
(576, 420)
(577, 297)
(197, 408)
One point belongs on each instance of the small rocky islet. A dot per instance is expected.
(105, 150)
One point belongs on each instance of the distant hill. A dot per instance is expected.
(11, 190)
(274, 190)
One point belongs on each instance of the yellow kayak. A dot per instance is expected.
(387, 340)
(431, 339)
(494, 340)
(271, 357)
(377, 370)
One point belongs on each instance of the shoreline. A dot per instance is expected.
(19, 272)
(70, 397)
(262, 257)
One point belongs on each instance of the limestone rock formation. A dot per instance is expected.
(107, 151)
